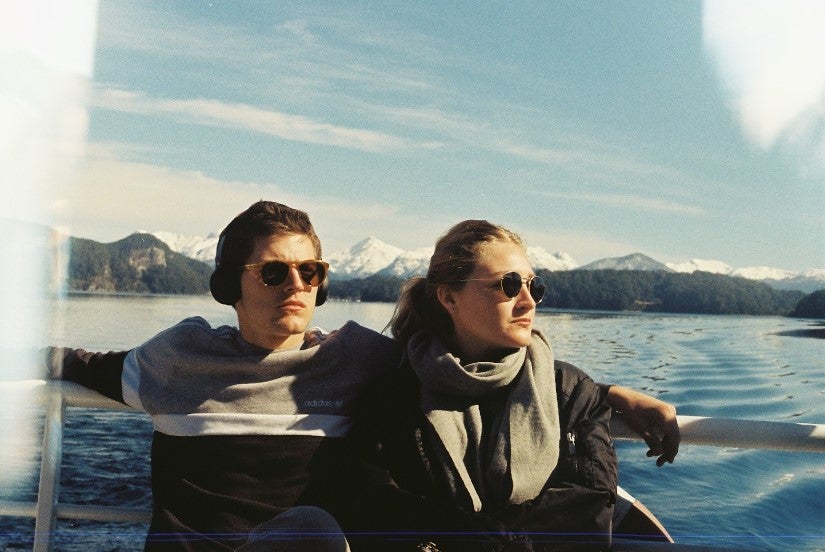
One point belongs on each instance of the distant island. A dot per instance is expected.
(142, 263)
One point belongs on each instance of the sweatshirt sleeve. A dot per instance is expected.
(98, 371)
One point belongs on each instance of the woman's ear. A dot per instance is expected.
(445, 297)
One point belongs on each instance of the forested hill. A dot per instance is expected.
(139, 263)
(698, 292)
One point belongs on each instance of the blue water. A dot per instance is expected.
(725, 366)
(730, 366)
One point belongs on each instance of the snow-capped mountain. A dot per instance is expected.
(372, 256)
(365, 258)
(194, 247)
(762, 273)
(718, 267)
(807, 281)
(541, 258)
(704, 265)
(409, 263)
(634, 261)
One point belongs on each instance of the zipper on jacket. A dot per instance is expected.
(571, 449)
(571, 443)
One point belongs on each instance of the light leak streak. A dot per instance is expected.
(46, 59)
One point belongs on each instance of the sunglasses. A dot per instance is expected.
(274, 273)
(511, 285)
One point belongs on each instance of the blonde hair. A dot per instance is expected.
(455, 257)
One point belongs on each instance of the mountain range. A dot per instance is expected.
(372, 256)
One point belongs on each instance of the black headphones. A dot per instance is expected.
(225, 282)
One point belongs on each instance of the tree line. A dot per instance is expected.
(623, 290)
(697, 292)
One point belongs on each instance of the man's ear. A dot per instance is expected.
(445, 297)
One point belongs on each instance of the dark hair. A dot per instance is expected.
(261, 220)
(455, 257)
(237, 242)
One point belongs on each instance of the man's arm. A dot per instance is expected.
(99, 371)
(653, 420)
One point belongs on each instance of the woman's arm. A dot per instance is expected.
(650, 418)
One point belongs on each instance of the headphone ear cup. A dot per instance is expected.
(323, 291)
(225, 286)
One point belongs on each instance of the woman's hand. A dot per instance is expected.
(653, 420)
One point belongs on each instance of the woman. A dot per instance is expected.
(489, 442)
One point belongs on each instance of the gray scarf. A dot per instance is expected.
(521, 447)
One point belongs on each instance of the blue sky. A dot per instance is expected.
(677, 129)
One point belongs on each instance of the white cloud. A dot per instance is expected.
(626, 201)
(769, 55)
(311, 54)
(297, 29)
(573, 151)
(111, 198)
(242, 116)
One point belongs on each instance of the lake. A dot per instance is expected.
(728, 366)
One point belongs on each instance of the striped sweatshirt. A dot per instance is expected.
(241, 433)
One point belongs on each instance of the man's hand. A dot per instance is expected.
(315, 336)
(653, 420)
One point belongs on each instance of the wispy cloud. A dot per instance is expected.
(242, 116)
(444, 128)
(111, 197)
(590, 158)
(573, 151)
(318, 53)
(625, 201)
(319, 60)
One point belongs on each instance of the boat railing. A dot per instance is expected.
(56, 396)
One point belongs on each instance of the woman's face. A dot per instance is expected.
(486, 321)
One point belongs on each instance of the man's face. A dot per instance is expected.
(276, 317)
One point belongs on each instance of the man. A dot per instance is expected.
(249, 421)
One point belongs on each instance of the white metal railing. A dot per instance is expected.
(737, 433)
(57, 395)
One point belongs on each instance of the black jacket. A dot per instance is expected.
(404, 505)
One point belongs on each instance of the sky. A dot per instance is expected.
(676, 129)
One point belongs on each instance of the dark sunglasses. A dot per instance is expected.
(274, 273)
(511, 285)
